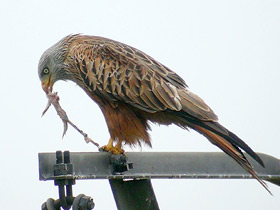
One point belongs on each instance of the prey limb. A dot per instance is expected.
(53, 99)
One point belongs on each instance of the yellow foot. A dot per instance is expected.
(112, 149)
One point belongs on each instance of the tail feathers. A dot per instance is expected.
(232, 138)
(232, 150)
(218, 129)
(246, 148)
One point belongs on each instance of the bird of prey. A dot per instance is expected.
(132, 89)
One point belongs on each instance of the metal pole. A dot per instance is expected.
(134, 194)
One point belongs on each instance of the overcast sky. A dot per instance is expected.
(227, 51)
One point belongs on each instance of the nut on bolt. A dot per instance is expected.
(86, 203)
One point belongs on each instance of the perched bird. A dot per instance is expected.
(132, 89)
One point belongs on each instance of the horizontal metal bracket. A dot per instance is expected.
(160, 165)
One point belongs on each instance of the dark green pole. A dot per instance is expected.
(134, 194)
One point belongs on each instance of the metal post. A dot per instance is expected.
(134, 194)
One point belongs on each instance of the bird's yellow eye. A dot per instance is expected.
(46, 70)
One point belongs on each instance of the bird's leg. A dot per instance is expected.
(118, 147)
(111, 148)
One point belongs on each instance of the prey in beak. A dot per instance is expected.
(47, 85)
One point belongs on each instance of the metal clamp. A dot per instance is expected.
(119, 164)
(64, 167)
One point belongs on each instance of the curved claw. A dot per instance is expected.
(112, 149)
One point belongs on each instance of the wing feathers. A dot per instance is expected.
(114, 68)
(139, 89)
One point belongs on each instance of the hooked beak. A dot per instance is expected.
(47, 85)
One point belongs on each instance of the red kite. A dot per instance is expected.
(132, 89)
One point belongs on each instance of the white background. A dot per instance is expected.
(227, 51)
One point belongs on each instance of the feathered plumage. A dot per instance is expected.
(131, 88)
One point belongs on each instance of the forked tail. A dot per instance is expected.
(230, 144)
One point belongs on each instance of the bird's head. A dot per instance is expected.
(52, 65)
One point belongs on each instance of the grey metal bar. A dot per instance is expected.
(134, 194)
(147, 165)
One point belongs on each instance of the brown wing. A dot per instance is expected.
(122, 73)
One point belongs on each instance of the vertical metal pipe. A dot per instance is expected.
(134, 194)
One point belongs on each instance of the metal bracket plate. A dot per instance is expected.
(150, 165)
